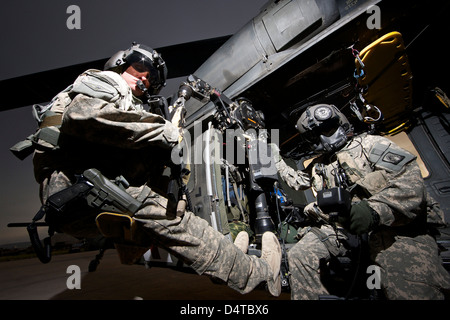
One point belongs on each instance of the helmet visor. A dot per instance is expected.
(143, 63)
(333, 142)
(326, 128)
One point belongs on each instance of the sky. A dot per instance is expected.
(35, 37)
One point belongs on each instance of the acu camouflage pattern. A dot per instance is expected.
(97, 133)
(305, 259)
(188, 237)
(411, 268)
(103, 128)
(207, 251)
(400, 246)
(106, 129)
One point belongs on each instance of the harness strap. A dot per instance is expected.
(48, 132)
(49, 135)
(52, 120)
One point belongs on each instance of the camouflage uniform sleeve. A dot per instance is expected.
(296, 179)
(399, 191)
(98, 121)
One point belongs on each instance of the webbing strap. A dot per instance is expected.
(51, 121)
(49, 134)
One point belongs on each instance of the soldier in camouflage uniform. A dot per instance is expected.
(388, 200)
(101, 123)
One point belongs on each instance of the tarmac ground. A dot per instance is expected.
(29, 279)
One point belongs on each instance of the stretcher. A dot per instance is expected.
(385, 77)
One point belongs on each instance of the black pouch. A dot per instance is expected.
(334, 201)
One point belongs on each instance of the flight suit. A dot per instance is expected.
(389, 180)
(104, 127)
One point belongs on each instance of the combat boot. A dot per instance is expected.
(271, 253)
(241, 241)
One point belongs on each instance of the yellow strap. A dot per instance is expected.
(115, 225)
(388, 76)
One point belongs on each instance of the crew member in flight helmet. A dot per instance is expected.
(103, 125)
(388, 201)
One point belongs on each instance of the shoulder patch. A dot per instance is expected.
(393, 158)
(389, 158)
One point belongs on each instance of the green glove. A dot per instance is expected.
(362, 218)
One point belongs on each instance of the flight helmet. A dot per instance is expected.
(143, 57)
(325, 127)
